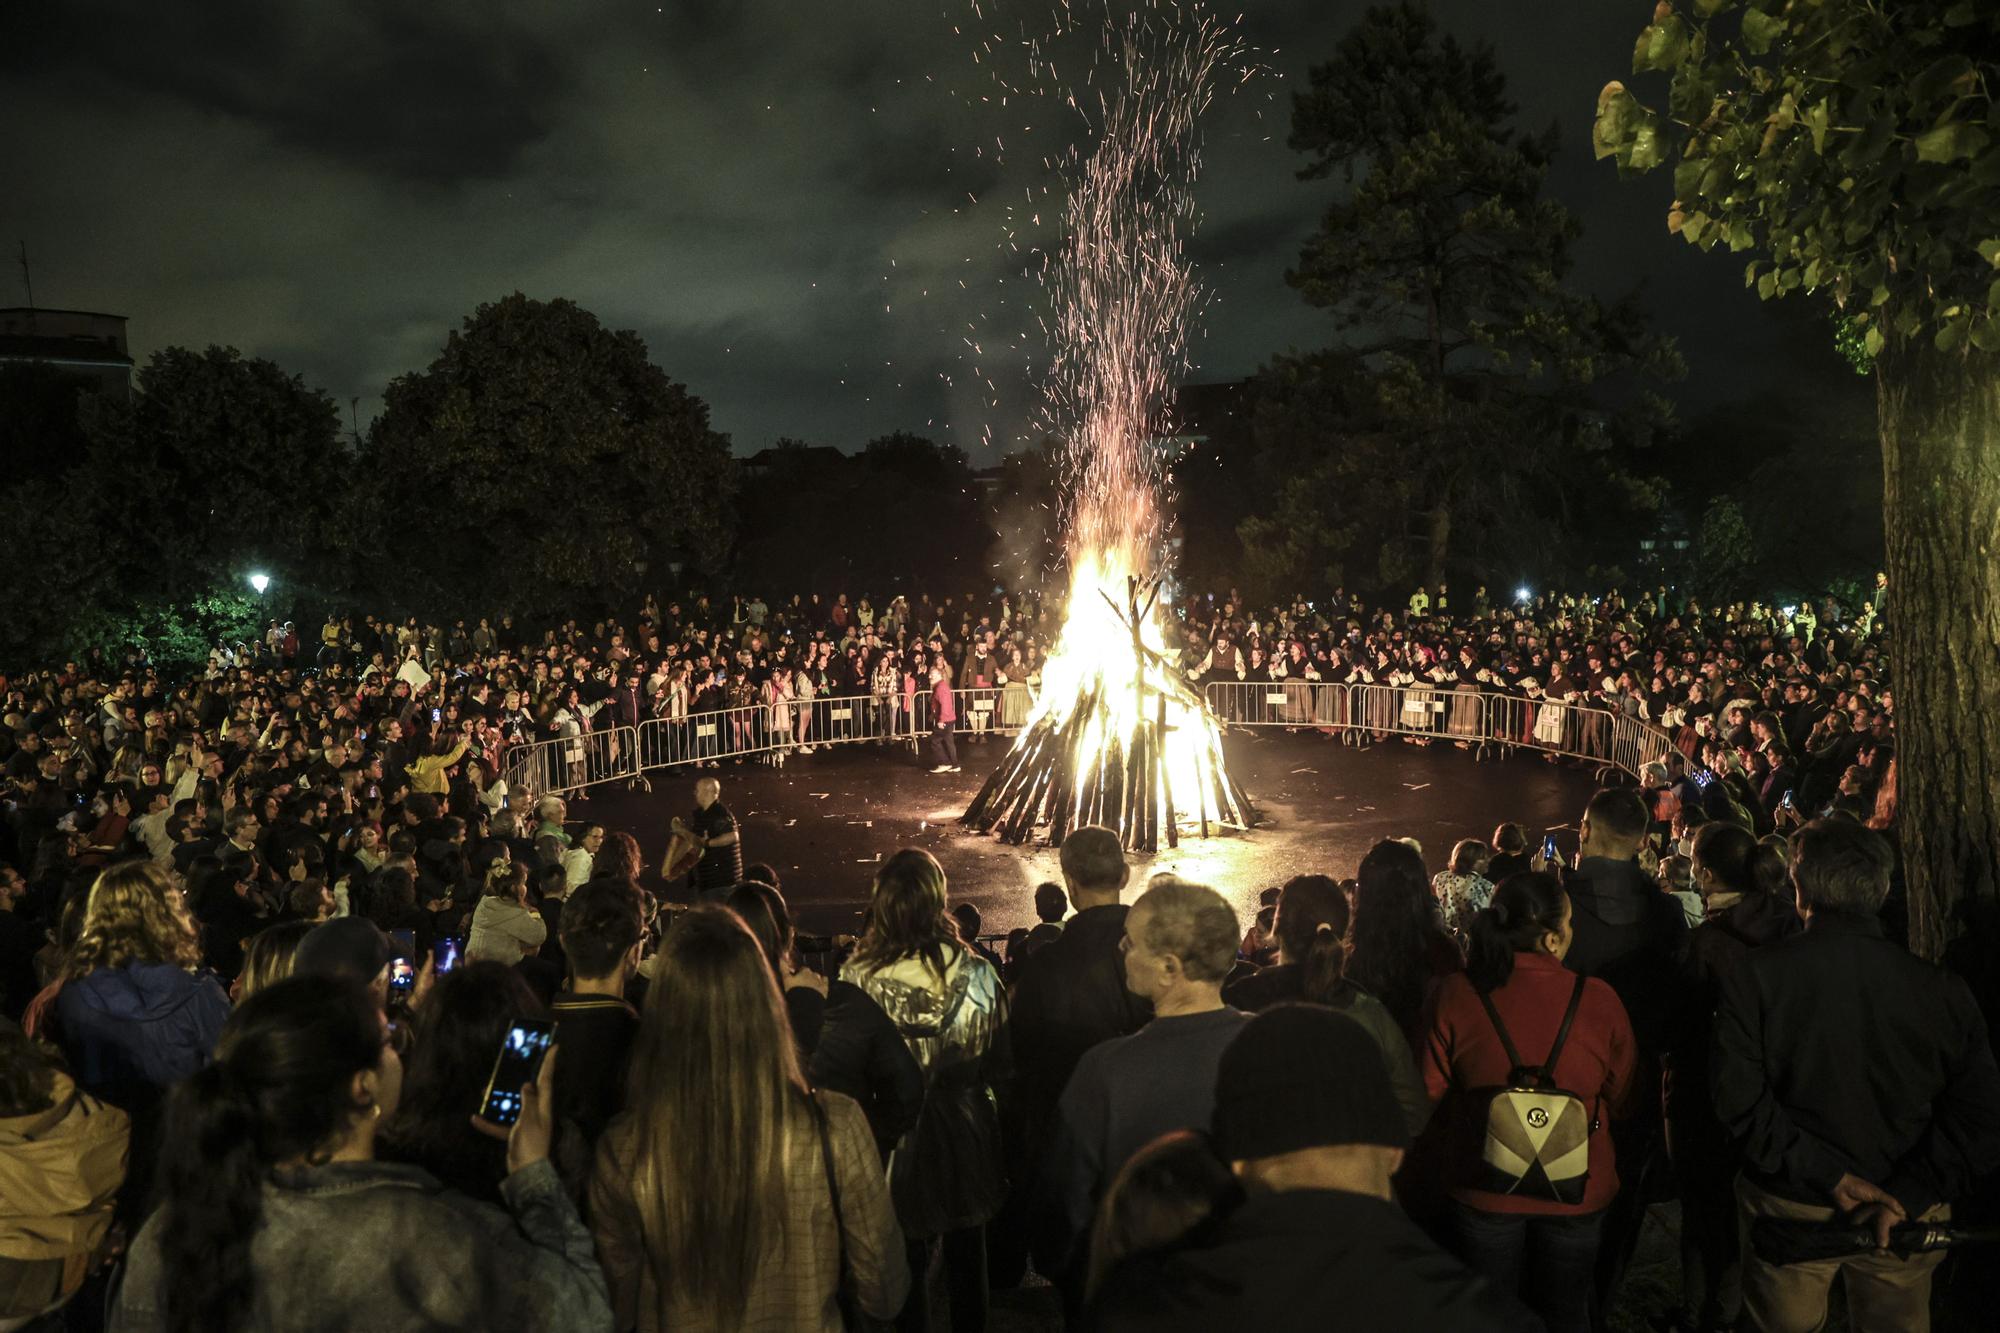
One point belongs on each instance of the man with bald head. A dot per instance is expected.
(1179, 944)
(714, 830)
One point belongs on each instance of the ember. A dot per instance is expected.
(1118, 736)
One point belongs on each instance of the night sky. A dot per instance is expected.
(796, 203)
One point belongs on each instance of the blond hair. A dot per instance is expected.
(135, 914)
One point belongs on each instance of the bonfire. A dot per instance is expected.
(1118, 736)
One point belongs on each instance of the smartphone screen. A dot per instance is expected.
(444, 954)
(437, 714)
(520, 1059)
(1549, 848)
(402, 978)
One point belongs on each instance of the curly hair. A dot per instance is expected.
(135, 914)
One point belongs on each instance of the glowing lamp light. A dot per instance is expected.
(259, 582)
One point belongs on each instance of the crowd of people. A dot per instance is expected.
(264, 933)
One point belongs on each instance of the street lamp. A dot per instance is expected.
(259, 582)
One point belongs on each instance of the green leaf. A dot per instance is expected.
(1661, 46)
(1646, 151)
(1760, 30)
(1950, 334)
(1872, 341)
(1993, 297)
(1986, 335)
(1816, 120)
(1767, 286)
(1618, 113)
(1960, 15)
(1708, 9)
(1990, 251)
(1949, 143)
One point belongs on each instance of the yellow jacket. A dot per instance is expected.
(427, 774)
(60, 1170)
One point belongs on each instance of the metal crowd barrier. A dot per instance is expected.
(1482, 720)
(554, 767)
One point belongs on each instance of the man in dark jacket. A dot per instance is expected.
(1628, 932)
(1069, 994)
(1307, 1122)
(1856, 1079)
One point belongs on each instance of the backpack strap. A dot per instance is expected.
(1562, 1033)
(1546, 1075)
(1506, 1042)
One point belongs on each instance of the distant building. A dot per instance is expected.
(81, 343)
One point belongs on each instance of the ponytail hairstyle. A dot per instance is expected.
(1525, 907)
(1312, 929)
(280, 1090)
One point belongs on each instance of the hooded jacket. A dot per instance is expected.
(60, 1169)
(1715, 954)
(132, 1032)
(1628, 932)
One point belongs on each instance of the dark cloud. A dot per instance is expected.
(824, 218)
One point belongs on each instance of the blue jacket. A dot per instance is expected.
(132, 1032)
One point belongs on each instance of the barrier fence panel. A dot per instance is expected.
(756, 731)
(570, 763)
(1460, 714)
(1280, 703)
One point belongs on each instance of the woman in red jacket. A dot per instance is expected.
(1540, 1248)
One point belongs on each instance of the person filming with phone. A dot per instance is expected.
(270, 1151)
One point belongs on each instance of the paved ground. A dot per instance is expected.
(825, 819)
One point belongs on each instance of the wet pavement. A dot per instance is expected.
(826, 819)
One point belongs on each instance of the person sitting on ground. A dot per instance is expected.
(1305, 1118)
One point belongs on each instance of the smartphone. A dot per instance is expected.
(1549, 848)
(437, 714)
(406, 942)
(402, 979)
(1786, 803)
(444, 954)
(520, 1059)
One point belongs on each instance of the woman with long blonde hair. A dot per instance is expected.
(137, 1011)
(948, 1176)
(729, 1195)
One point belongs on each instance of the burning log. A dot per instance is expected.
(1115, 749)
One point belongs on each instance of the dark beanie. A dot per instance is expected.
(348, 946)
(1302, 1076)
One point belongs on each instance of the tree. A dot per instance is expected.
(1444, 269)
(1849, 148)
(905, 510)
(218, 464)
(541, 463)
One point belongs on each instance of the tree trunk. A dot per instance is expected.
(1438, 541)
(1939, 414)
